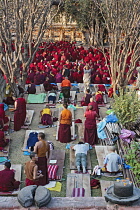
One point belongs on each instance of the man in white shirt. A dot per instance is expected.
(81, 155)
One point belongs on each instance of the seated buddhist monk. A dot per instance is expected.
(112, 161)
(47, 85)
(31, 170)
(31, 88)
(7, 180)
(46, 116)
(3, 140)
(86, 99)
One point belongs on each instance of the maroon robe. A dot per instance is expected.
(64, 133)
(90, 131)
(3, 143)
(2, 114)
(19, 114)
(7, 181)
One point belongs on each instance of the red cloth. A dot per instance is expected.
(101, 88)
(90, 132)
(31, 182)
(64, 133)
(7, 181)
(52, 172)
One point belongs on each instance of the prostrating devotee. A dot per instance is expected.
(99, 97)
(47, 85)
(46, 116)
(90, 131)
(7, 179)
(3, 141)
(112, 161)
(66, 86)
(87, 97)
(31, 89)
(52, 96)
(42, 149)
(31, 171)
(19, 112)
(65, 120)
(86, 77)
(81, 156)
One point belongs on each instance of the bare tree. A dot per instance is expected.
(19, 19)
(122, 21)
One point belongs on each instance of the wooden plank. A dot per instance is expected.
(86, 185)
(104, 185)
(29, 117)
(72, 160)
(17, 168)
(58, 155)
(80, 96)
(78, 181)
(72, 94)
(101, 152)
(27, 136)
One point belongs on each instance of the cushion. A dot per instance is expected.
(42, 196)
(52, 171)
(26, 195)
(78, 192)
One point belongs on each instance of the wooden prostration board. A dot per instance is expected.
(17, 168)
(58, 155)
(72, 160)
(29, 117)
(27, 136)
(78, 181)
(101, 152)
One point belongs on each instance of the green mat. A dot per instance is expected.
(36, 98)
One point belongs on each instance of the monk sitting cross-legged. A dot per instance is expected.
(7, 180)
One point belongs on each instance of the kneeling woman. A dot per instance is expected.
(64, 133)
(46, 116)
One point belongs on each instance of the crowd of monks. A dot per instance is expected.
(52, 59)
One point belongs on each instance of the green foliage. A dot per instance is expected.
(133, 159)
(126, 107)
(83, 12)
